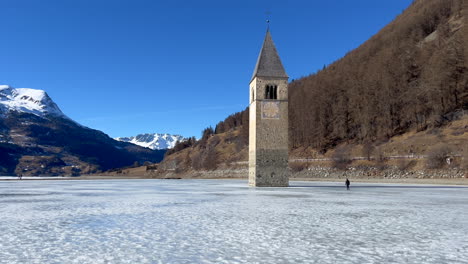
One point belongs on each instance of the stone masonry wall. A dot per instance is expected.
(329, 173)
(268, 147)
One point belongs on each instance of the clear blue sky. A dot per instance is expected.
(135, 66)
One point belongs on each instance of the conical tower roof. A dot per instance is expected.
(268, 62)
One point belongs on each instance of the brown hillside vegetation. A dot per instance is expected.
(410, 77)
(411, 74)
(208, 153)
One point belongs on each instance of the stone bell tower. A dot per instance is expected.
(268, 135)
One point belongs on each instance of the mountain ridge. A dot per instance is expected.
(153, 140)
(28, 100)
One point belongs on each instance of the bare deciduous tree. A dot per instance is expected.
(341, 158)
(437, 157)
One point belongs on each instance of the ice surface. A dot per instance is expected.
(221, 221)
(14, 178)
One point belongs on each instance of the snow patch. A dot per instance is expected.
(431, 37)
(27, 100)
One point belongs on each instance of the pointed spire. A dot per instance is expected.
(268, 62)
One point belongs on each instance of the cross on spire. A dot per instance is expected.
(268, 13)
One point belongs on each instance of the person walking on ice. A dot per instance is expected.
(347, 184)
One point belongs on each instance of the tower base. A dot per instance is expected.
(269, 168)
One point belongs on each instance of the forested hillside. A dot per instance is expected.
(412, 75)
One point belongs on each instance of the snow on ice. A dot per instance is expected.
(221, 221)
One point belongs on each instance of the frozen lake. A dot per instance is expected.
(224, 221)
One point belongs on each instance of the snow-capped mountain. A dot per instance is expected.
(27, 100)
(36, 138)
(153, 141)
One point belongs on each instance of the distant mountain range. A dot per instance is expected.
(36, 138)
(153, 140)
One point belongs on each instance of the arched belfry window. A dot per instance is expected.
(271, 92)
